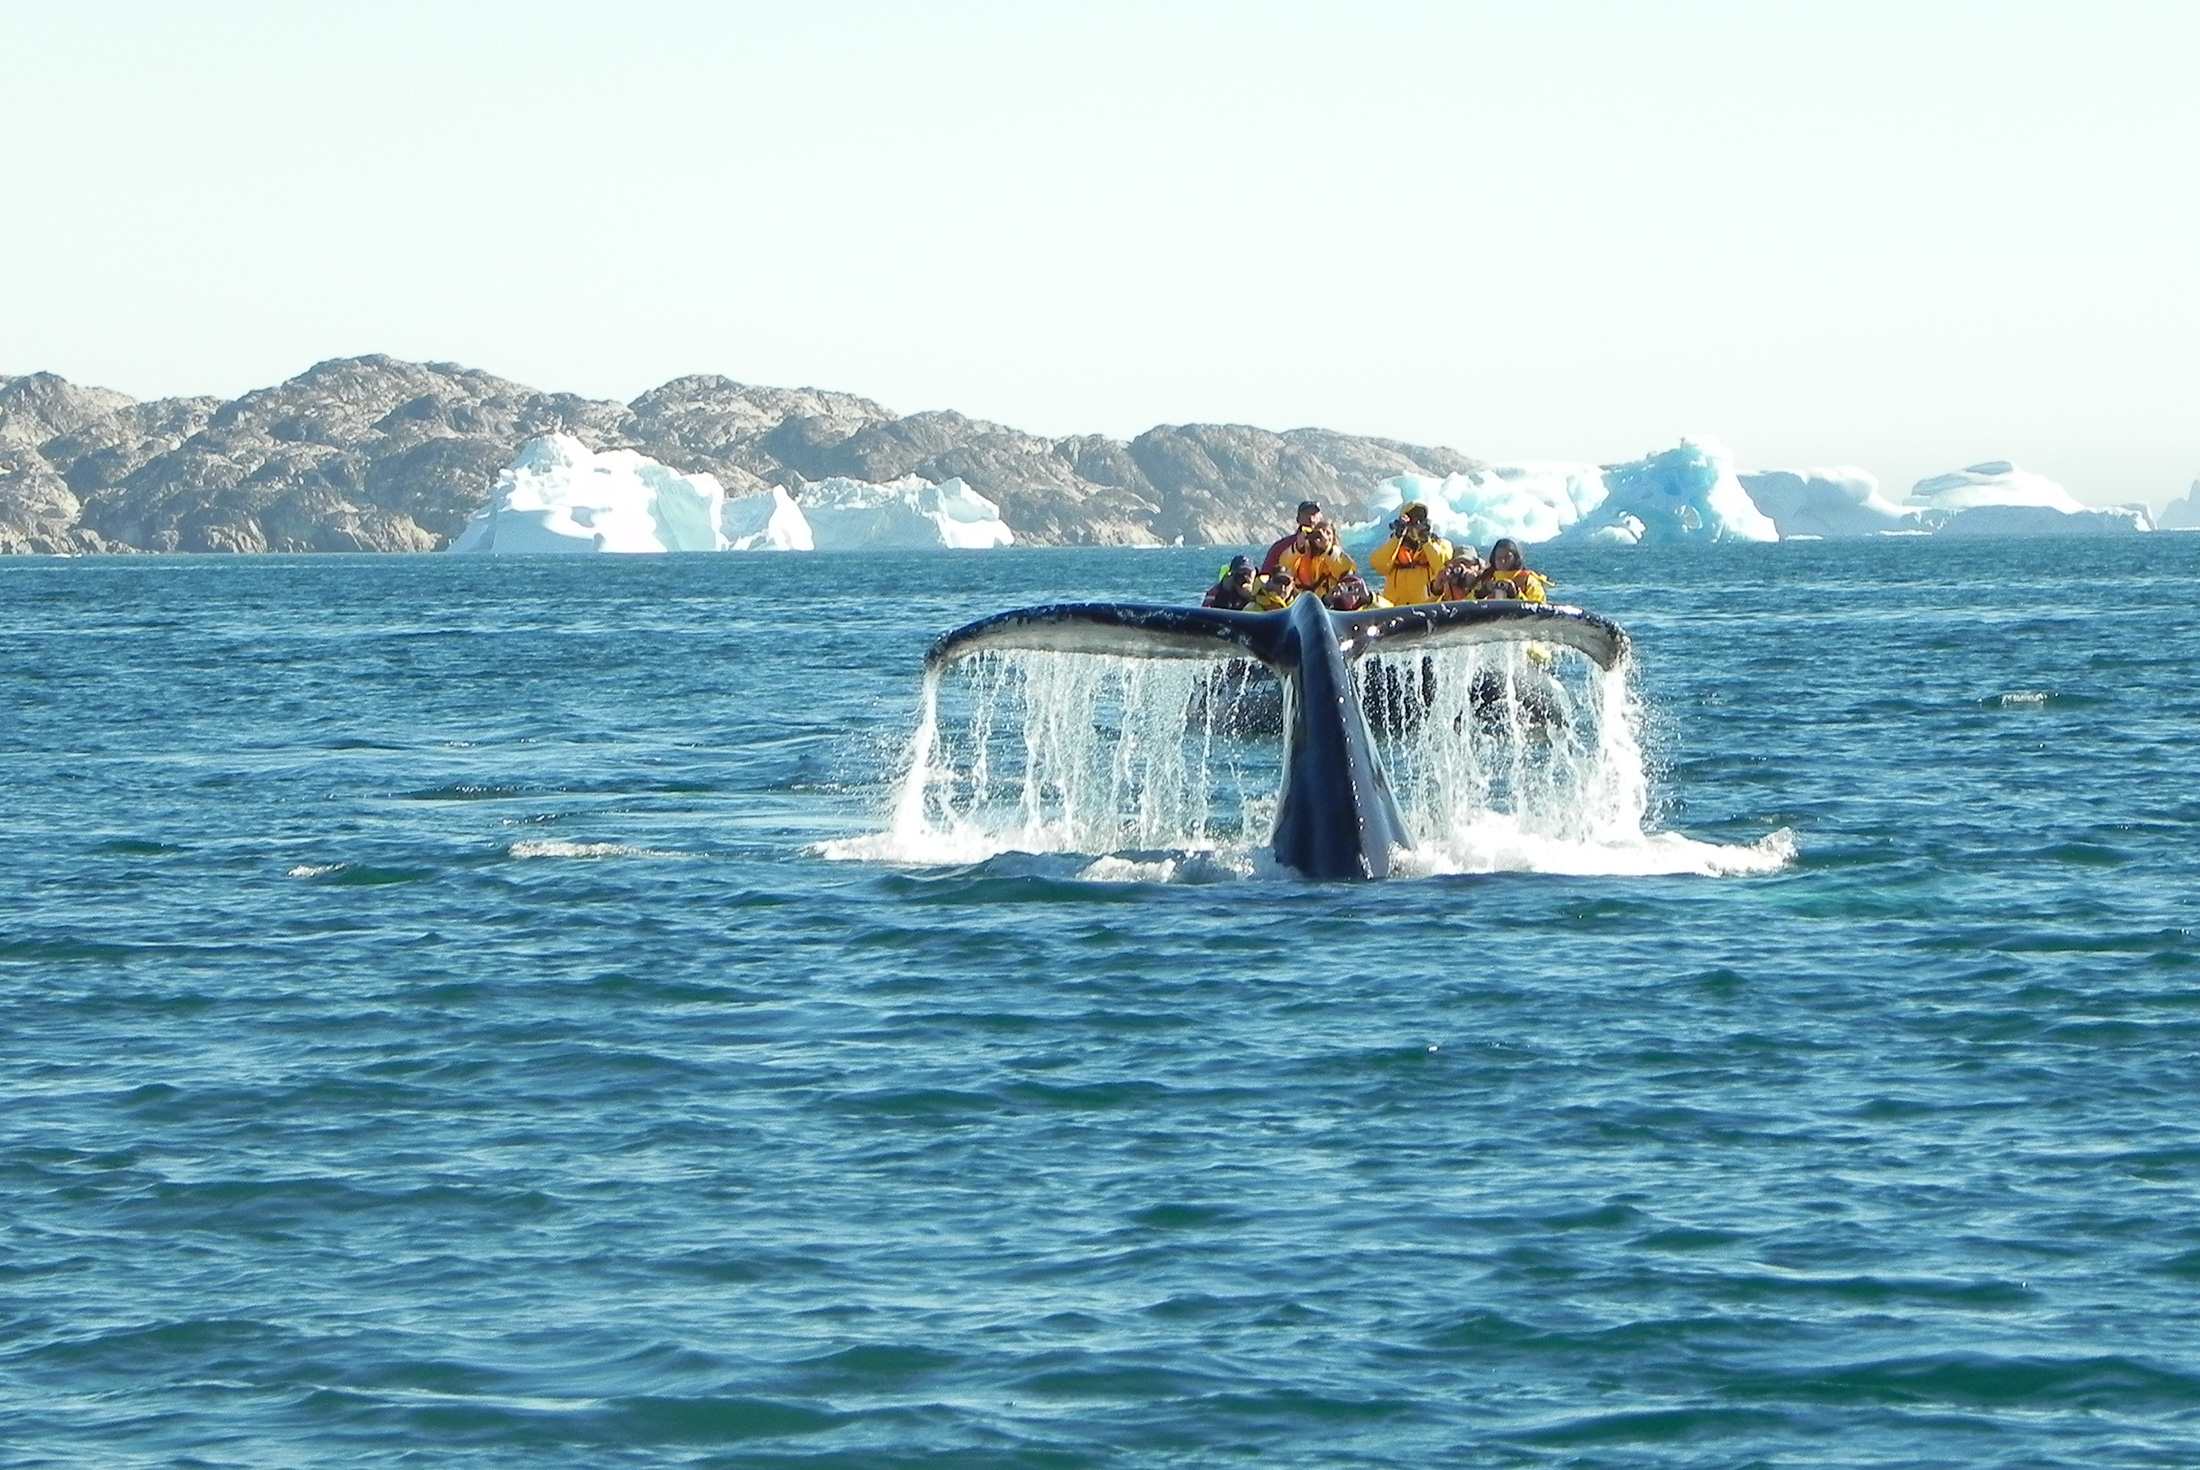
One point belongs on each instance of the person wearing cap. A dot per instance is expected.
(1275, 590)
(1310, 515)
(1233, 590)
(1455, 581)
(1411, 558)
(1314, 562)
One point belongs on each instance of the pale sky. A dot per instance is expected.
(1904, 236)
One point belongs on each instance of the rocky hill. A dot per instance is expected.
(377, 454)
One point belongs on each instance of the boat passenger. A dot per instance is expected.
(1274, 590)
(1411, 558)
(1352, 594)
(1507, 576)
(1455, 583)
(1315, 563)
(1310, 516)
(1233, 590)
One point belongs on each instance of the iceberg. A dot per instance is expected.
(1998, 499)
(557, 495)
(1687, 493)
(767, 522)
(1532, 501)
(908, 514)
(1826, 503)
(2182, 515)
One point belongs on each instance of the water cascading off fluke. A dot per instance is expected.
(1101, 727)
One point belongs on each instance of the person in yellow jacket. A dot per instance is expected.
(1411, 558)
(1507, 576)
(1274, 590)
(1315, 563)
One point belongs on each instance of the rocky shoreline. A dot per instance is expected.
(374, 453)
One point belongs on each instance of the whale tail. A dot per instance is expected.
(1135, 630)
(1335, 815)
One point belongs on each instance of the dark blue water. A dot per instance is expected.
(429, 1038)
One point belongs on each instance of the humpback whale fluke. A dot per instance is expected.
(1335, 815)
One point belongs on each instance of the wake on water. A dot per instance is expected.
(1504, 758)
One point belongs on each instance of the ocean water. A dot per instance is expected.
(449, 1016)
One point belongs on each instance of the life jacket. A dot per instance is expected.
(1525, 585)
(1318, 572)
(1408, 570)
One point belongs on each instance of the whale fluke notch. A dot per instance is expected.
(1335, 814)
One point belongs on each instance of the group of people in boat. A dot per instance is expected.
(1417, 566)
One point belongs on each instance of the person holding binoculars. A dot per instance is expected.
(1411, 558)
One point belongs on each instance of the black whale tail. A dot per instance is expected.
(1335, 815)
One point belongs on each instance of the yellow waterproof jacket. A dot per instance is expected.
(1526, 585)
(1318, 574)
(1407, 571)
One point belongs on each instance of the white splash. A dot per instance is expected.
(535, 847)
(1504, 758)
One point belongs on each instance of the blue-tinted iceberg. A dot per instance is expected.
(1998, 499)
(1692, 493)
(767, 522)
(1687, 493)
(1534, 501)
(1826, 503)
(907, 514)
(557, 495)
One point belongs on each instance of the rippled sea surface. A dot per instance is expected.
(429, 1036)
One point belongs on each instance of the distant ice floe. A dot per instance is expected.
(1998, 499)
(559, 496)
(1826, 503)
(901, 515)
(1692, 493)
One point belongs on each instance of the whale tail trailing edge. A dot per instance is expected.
(1134, 630)
(1335, 814)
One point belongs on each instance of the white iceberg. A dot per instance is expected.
(2182, 515)
(1688, 493)
(1826, 503)
(907, 514)
(1531, 501)
(767, 522)
(557, 495)
(1998, 499)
